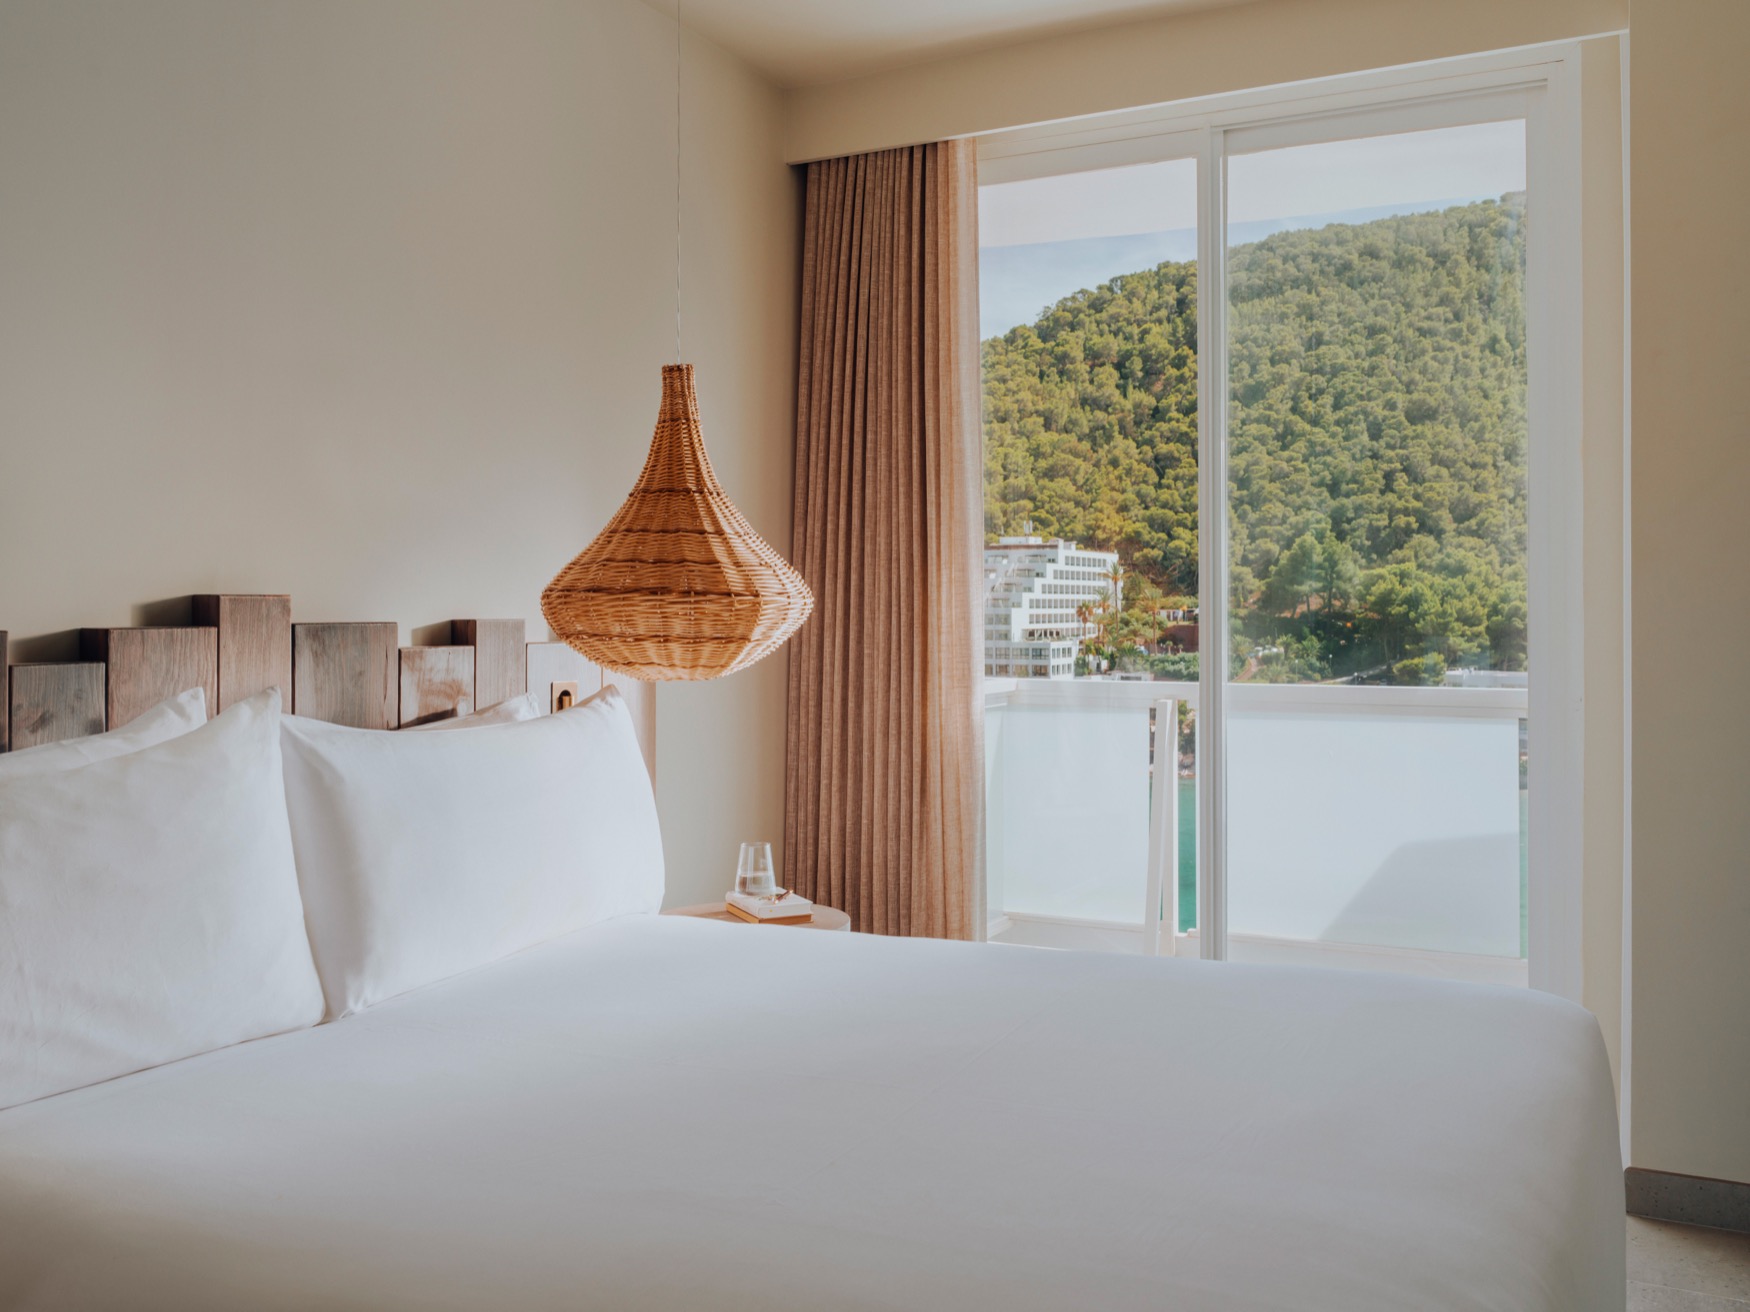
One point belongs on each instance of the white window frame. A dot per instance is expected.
(1540, 84)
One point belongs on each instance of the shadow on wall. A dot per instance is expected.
(1447, 895)
(49, 648)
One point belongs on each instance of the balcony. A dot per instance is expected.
(1372, 828)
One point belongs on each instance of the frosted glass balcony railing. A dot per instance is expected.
(1368, 827)
(1067, 804)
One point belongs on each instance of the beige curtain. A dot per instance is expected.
(884, 797)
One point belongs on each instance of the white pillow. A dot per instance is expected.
(525, 707)
(425, 855)
(168, 719)
(149, 908)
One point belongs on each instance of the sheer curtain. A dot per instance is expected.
(884, 788)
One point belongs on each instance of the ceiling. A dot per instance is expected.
(805, 42)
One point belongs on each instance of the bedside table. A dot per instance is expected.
(824, 917)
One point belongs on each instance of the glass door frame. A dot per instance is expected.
(1540, 85)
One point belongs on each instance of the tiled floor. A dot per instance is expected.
(1684, 1268)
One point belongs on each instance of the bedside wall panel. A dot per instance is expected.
(255, 645)
(347, 673)
(437, 683)
(501, 668)
(552, 665)
(47, 703)
(147, 665)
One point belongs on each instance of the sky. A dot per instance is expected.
(1046, 238)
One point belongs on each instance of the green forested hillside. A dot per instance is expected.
(1377, 437)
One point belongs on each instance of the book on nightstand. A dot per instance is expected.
(790, 909)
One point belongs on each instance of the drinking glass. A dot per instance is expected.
(755, 875)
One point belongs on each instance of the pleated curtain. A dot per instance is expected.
(884, 796)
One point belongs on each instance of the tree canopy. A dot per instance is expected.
(1377, 439)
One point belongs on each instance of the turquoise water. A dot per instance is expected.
(1187, 856)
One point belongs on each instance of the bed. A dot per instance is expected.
(661, 1112)
(297, 1012)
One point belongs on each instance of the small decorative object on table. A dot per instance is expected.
(756, 896)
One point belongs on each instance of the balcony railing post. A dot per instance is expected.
(1163, 832)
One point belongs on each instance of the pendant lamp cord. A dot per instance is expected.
(677, 181)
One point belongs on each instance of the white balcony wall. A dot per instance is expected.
(1371, 828)
(1399, 830)
(1067, 797)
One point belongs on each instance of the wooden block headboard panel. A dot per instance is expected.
(255, 645)
(47, 703)
(436, 683)
(348, 673)
(147, 665)
(501, 666)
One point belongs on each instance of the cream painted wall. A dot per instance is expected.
(1690, 490)
(366, 303)
(1179, 57)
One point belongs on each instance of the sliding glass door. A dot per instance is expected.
(1300, 729)
(1088, 316)
(1377, 547)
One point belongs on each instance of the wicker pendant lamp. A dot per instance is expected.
(678, 585)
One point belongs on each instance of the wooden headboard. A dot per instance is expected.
(348, 673)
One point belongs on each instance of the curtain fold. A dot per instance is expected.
(884, 782)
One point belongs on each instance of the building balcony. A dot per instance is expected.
(1371, 828)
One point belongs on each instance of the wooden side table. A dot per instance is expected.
(824, 917)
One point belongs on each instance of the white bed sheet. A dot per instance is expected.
(674, 1113)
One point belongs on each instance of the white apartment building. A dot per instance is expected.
(1032, 588)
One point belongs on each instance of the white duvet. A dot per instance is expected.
(666, 1113)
